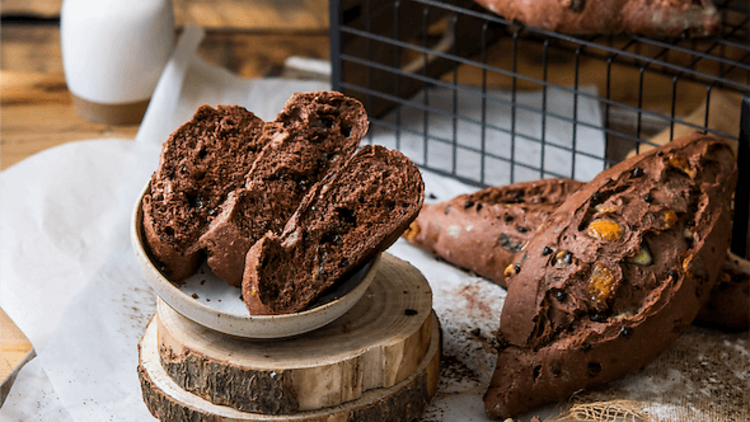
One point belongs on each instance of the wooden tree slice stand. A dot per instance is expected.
(380, 361)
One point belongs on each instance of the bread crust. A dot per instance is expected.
(658, 18)
(636, 252)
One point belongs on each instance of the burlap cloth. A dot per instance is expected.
(704, 376)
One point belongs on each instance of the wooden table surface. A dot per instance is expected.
(251, 39)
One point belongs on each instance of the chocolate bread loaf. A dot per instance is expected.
(657, 18)
(355, 212)
(201, 162)
(314, 133)
(615, 274)
(484, 230)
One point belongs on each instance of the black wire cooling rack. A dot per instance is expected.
(468, 94)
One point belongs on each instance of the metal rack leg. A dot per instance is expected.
(742, 193)
(335, 17)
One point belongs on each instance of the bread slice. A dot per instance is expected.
(313, 134)
(344, 221)
(201, 162)
(615, 274)
(484, 230)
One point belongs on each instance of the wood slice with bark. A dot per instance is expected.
(403, 401)
(377, 344)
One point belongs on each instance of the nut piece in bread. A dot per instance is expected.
(356, 211)
(313, 134)
(201, 162)
(636, 252)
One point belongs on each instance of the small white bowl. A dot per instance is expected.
(209, 301)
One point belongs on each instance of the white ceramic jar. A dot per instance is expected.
(113, 54)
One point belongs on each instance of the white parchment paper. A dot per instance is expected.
(69, 279)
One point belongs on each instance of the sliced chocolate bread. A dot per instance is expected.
(313, 134)
(201, 162)
(484, 230)
(615, 274)
(357, 211)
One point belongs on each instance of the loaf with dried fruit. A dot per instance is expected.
(356, 211)
(201, 162)
(615, 274)
(658, 18)
(313, 134)
(482, 231)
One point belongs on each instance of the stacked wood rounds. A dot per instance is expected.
(380, 361)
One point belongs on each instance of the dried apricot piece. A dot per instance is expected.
(680, 163)
(510, 270)
(686, 262)
(670, 217)
(604, 230)
(412, 231)
(601, 283)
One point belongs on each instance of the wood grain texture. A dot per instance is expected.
(379, 342)
(40, 8)
(13, 345)
(257, 15)
(404, 401)
(37, 114)
(30, 48)
(253, 55)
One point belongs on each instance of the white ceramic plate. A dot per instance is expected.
(207, 300)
